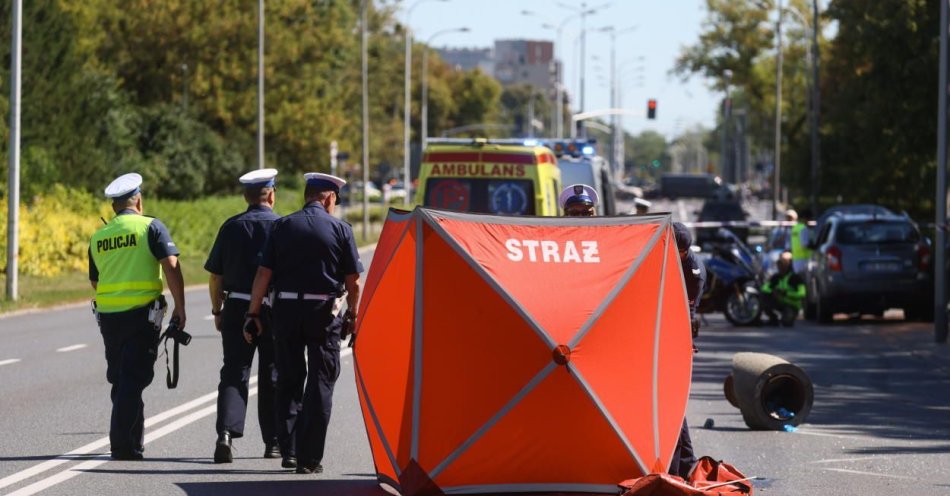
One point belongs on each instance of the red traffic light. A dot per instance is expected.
(651, 108)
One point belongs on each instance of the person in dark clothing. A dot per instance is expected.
(694, 275)
(783, 293)
(312, 263)
(233, 262)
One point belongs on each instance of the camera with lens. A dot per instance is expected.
(175, 333)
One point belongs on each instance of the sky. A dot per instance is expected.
(663, 28)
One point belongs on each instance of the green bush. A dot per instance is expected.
(54, 232)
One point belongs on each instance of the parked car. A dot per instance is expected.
(868, 263)
(353, 192)
(721, 211)
(853, 209)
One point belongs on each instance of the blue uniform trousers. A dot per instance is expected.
(305, 397)
(683, 456)
(131, 343)
(236, 372)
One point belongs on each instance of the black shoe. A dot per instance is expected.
(307, 468)
(222, 449)
(289, 462)
(128, 455)
(271, 450)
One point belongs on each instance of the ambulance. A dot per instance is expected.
(503, 177)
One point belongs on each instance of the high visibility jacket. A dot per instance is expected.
(791, 287)
(799, 251)
(129, 275)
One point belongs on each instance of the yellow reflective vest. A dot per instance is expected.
(129, 275)
(799, 251)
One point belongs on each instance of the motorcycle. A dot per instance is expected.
(732, 280)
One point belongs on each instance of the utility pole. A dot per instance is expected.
(776, 181)
(260, 84)
(940, 273)
(365, 118)
(13, 195)
(816, 111)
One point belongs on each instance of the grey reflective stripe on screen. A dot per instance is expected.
(494, 284)
(372, 414)
(532, 488)
(540, 376)
(656, 351)
(620, 285)
(417, 345)
(607, 416)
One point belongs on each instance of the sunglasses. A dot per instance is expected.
(587, 212)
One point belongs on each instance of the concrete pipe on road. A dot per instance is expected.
(771, 392)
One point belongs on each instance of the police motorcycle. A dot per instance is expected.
(732, 280)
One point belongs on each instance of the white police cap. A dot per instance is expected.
(578, 193)
(640, 202)
(124, 185)
(259, 178)
(328, 181)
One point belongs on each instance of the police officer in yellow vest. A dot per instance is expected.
(799, 243)
(127, 257)
(783, 293)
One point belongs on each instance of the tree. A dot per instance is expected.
(879, 104)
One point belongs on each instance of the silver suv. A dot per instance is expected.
(867, 264)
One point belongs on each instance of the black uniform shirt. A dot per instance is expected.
(159, 243)
(310, 251)
(238, 248)
(694, 274)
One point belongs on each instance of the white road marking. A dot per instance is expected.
(860, 472)
(103, 442)
(839, 460)
(9, 361)
(74, 347)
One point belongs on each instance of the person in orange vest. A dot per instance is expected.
(127, 258)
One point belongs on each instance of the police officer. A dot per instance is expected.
(233, 263)
(642, 206)
(799, 242)
(783, 293)
(579, 200)
(694, 275)
(311, 261)
(127, 257)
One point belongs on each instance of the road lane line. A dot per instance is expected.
(853, 459)
(860, 472)
(74, 347)
(9, 361)
(104, 442)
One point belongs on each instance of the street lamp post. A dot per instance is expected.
(583, 11)
(814, 97)
(407, 100)
(559, 81)
(13, 186)
(365, 115)
(260, 84)
(776, 180)
(425, 81)
(615, 119)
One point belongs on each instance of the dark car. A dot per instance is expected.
(867, 264)
(721, 211)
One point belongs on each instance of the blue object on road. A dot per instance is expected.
(790, 428)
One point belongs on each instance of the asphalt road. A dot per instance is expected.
(880, 422)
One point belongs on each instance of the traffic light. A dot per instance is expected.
(651, 108)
